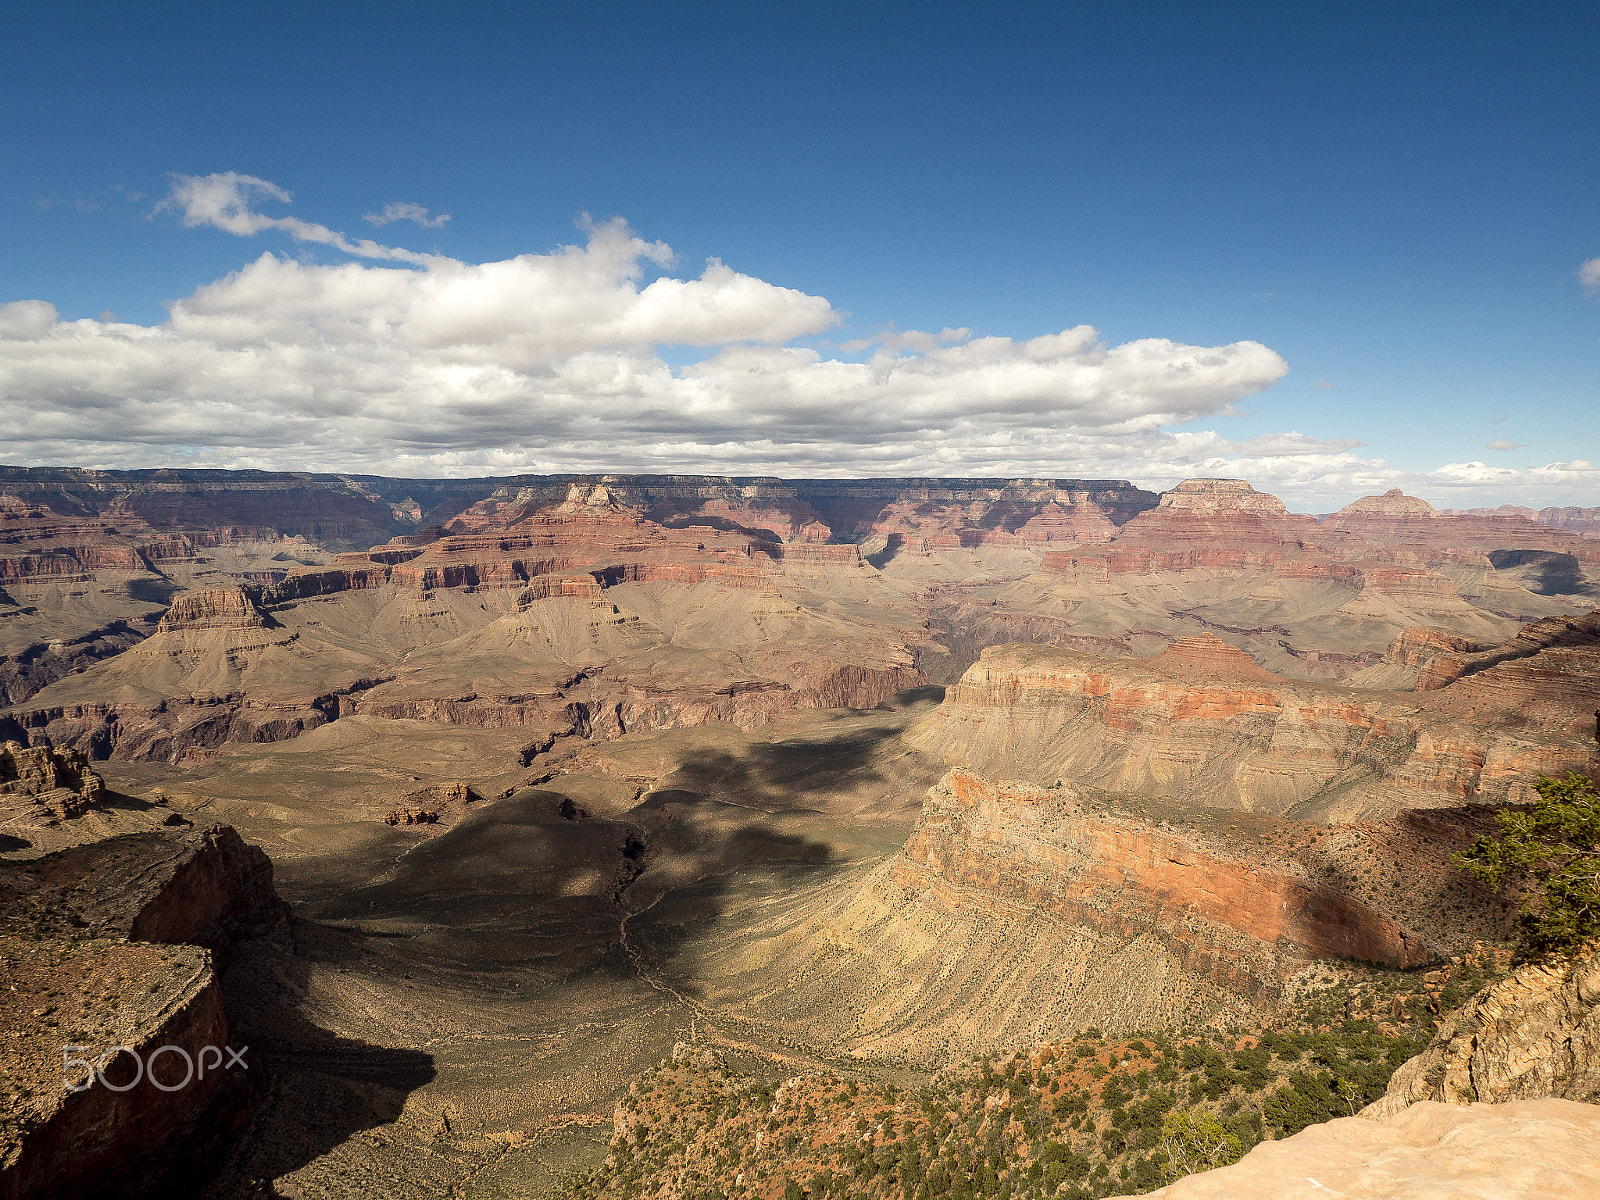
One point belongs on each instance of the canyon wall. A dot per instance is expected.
(1016, 914)
(121, 940)
(1201, 720)
(1534, 1034)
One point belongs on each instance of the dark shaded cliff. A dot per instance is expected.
(118, 943)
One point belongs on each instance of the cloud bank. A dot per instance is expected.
(419, 364)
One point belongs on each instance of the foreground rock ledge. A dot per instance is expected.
(1544, 1149)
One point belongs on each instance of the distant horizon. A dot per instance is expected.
(603, 476)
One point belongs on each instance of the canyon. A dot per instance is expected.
(869, 777)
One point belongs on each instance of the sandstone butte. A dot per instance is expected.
(1016, 915)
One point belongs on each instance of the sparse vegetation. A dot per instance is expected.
(1085, 1119)
(1547, 859)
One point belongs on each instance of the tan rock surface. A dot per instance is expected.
(1535, 1033)
(1016, 914)
(1200, 720)
(1523, 1150)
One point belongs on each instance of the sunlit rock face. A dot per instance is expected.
(1523, 1150)
(1201, 720)
(1534, 1034)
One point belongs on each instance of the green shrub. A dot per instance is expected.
(1193, 1139)
(1548, 859)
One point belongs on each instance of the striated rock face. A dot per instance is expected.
(1535, 1033)
(1201, 508)
(1200, 720)
(1526, 1150)
(1241, 921)
(1219, 524)
(1409, 656)
(971, 511)
(1418, 647)
(1393, 503)
(1397, 518)
(1553, 633)
(1016, 914)
(41, 786)
(213, 608)
(1585, 522)
(1220, 497)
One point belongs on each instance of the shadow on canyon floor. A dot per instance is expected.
(318, 1089)
(506, 977)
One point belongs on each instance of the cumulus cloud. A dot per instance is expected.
(424, 364)
(1503, 444)
(1589, 275)
(402, 363)
(402, 210)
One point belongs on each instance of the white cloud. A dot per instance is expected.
(1503, 444)
(552, 362)
(223, 201)
(404, 210)
(1589, 275)
(425, 365)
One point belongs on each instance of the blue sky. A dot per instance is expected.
(1396, 203)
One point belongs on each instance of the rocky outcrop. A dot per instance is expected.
(1228, 512)
(164, 1006)
(1409, 655)
(213, 608)
(1533, 1034)
(1393, 505)
(129, 933)
(437, 807)
(41, 786)
(198, 886)
(1525, 1150)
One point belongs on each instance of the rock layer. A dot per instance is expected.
(1202, 720)
(1533, 1034)
(41, 786)
(1016, 914)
